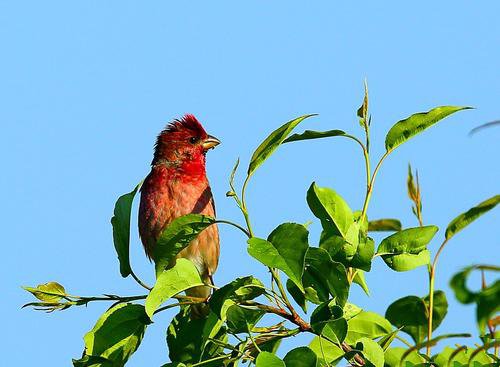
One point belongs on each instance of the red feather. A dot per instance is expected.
(177, 185)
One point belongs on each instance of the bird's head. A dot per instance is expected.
(183, 144)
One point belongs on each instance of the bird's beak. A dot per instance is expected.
(210, 142)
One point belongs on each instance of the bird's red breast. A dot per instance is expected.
(177, 185)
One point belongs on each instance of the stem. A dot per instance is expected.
(136, 278)
(252, 339)
(234, 225)
(172, 306)
(369, 189)
(432, 276)
(296, 318)
(244, 206)
(431, 309)
(404, 341)
(111, 298)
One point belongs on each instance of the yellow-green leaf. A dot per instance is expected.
(464, 219)
(183, 275)
(272, 142)
(411, 126)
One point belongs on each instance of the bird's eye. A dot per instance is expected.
(193, 140)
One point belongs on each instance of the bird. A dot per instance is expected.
(178, 185)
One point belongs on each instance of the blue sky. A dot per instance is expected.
(87, 85)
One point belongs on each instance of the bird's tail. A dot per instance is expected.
(200, 310)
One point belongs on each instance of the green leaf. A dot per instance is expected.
(407, 249)
(330, 208)
(50, 292)
(301, 357)
(326, 351)
(116, 335)
(316, 289)
(351, 310)
(363, 257)
(177, 236)
(460, 357)
(464, 219)
(189, 339)
(488, 304)
(310, 134)
(327, 274)
(240, 289)
(367, 324)
(285, 249)
(266, 359)
(272, 142)
(387, 340)
(393, 357)
(382, 225)
(355, 254)
(297, 295)
(487, 299)
(327, 320)
(411, 126)
(360, 280)
(372, 352)
(458, 284)
(241, 319)
(92, 361)
(183, 275)
(409, 313)
(121, 229)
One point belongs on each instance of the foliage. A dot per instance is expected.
(319, 274)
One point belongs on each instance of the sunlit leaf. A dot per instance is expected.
(121, 229)
(382, 225)
(351, 310)
(411, 126)
(266, 359)
(310, 134)
(49, 292)
(285, 249)
(367, 324)
(407, 249)
(461, 357)
(330, 208)
(410, 314)
(372, 352)
(326, 351)
(393, 356)
(272, 142)
(464, 219)
(116, 335)
(177, 236)
(360, 280)
(183, 275)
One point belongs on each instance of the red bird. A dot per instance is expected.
(177, 185)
